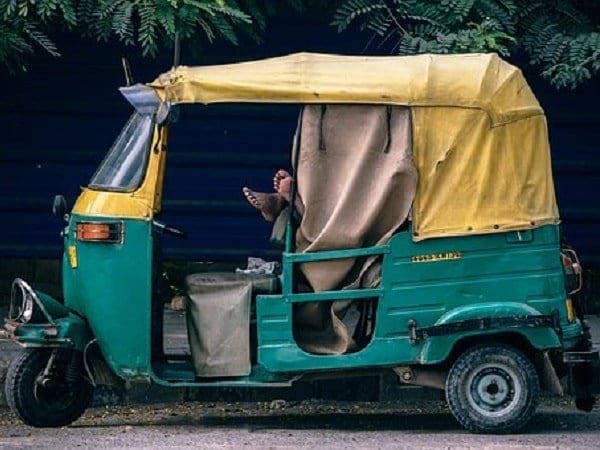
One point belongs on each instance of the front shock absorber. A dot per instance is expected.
(74, 368)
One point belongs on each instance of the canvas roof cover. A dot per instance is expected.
(480, 139)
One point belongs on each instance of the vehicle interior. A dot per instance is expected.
(215, 303)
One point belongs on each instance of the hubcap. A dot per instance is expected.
(493, 390)
(52, 395)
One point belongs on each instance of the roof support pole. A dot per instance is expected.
(289, 233)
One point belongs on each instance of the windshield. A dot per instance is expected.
(124, 166)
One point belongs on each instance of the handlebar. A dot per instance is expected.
(164, 228)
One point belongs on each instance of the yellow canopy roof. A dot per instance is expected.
(482, 81)
(480, 139)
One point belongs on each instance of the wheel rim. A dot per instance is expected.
(53, 398)
(494, 390)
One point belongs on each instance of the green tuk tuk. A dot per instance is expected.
(474, 295)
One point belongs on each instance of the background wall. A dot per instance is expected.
(58, 120)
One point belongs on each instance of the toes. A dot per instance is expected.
(280, 177)
(276, 181)
(250, 197)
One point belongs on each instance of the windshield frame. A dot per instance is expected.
(117, 148)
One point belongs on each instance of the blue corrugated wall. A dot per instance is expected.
(58, 120)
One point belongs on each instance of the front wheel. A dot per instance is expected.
(492, 389)
(46, 388)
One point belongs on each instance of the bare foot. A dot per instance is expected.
(282, 182)
(284, 188)
(278, 178)
(269, 205)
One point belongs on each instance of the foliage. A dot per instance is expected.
(160, 19)
(146, 23)
(21, 25)
(562, 37)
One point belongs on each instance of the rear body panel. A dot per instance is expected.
(435, 282)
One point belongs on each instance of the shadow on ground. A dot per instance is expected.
(433, 417)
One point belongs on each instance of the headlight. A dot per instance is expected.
(21, 301)
(27, 310)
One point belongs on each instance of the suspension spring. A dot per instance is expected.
(74, 369)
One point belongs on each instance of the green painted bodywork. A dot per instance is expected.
(65, 330)
(71, 332)
(112, 288)
(53, 307)
(496, 275)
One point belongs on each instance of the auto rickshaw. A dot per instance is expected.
(475, 296)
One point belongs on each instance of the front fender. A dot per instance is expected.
(51, 324)
(496, 309)
(437, 348)
(68, 332)
(53, 307)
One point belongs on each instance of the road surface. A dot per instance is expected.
(311, 424)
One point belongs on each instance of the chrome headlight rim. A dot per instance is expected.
(22, 299)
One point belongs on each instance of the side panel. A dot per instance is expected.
(432, 282)
(110, 285)
(427, 279)
(497, 275)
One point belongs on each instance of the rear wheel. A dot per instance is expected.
(46, 393)
(492, 389)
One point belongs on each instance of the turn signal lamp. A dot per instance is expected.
(109, 232)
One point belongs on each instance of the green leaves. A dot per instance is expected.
(351, 10)
(560, 36)
(442, 26)
(562, 40)
(569, 62)
(148, 22)
(144, 23)
(23, 24)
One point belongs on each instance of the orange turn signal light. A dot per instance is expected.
(99, 232)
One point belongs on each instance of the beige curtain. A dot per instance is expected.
(357, 180)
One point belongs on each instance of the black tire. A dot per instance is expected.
(40, 406)
(492, 389)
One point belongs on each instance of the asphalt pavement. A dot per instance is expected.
(310, 424)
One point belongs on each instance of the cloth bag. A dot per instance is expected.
(218, 325)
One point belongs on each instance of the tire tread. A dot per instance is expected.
(15, 390)
(465, 362)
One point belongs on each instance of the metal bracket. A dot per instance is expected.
(26, 291)
(487, 323)
(412, 331)
(581, 357)
(421, 376)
